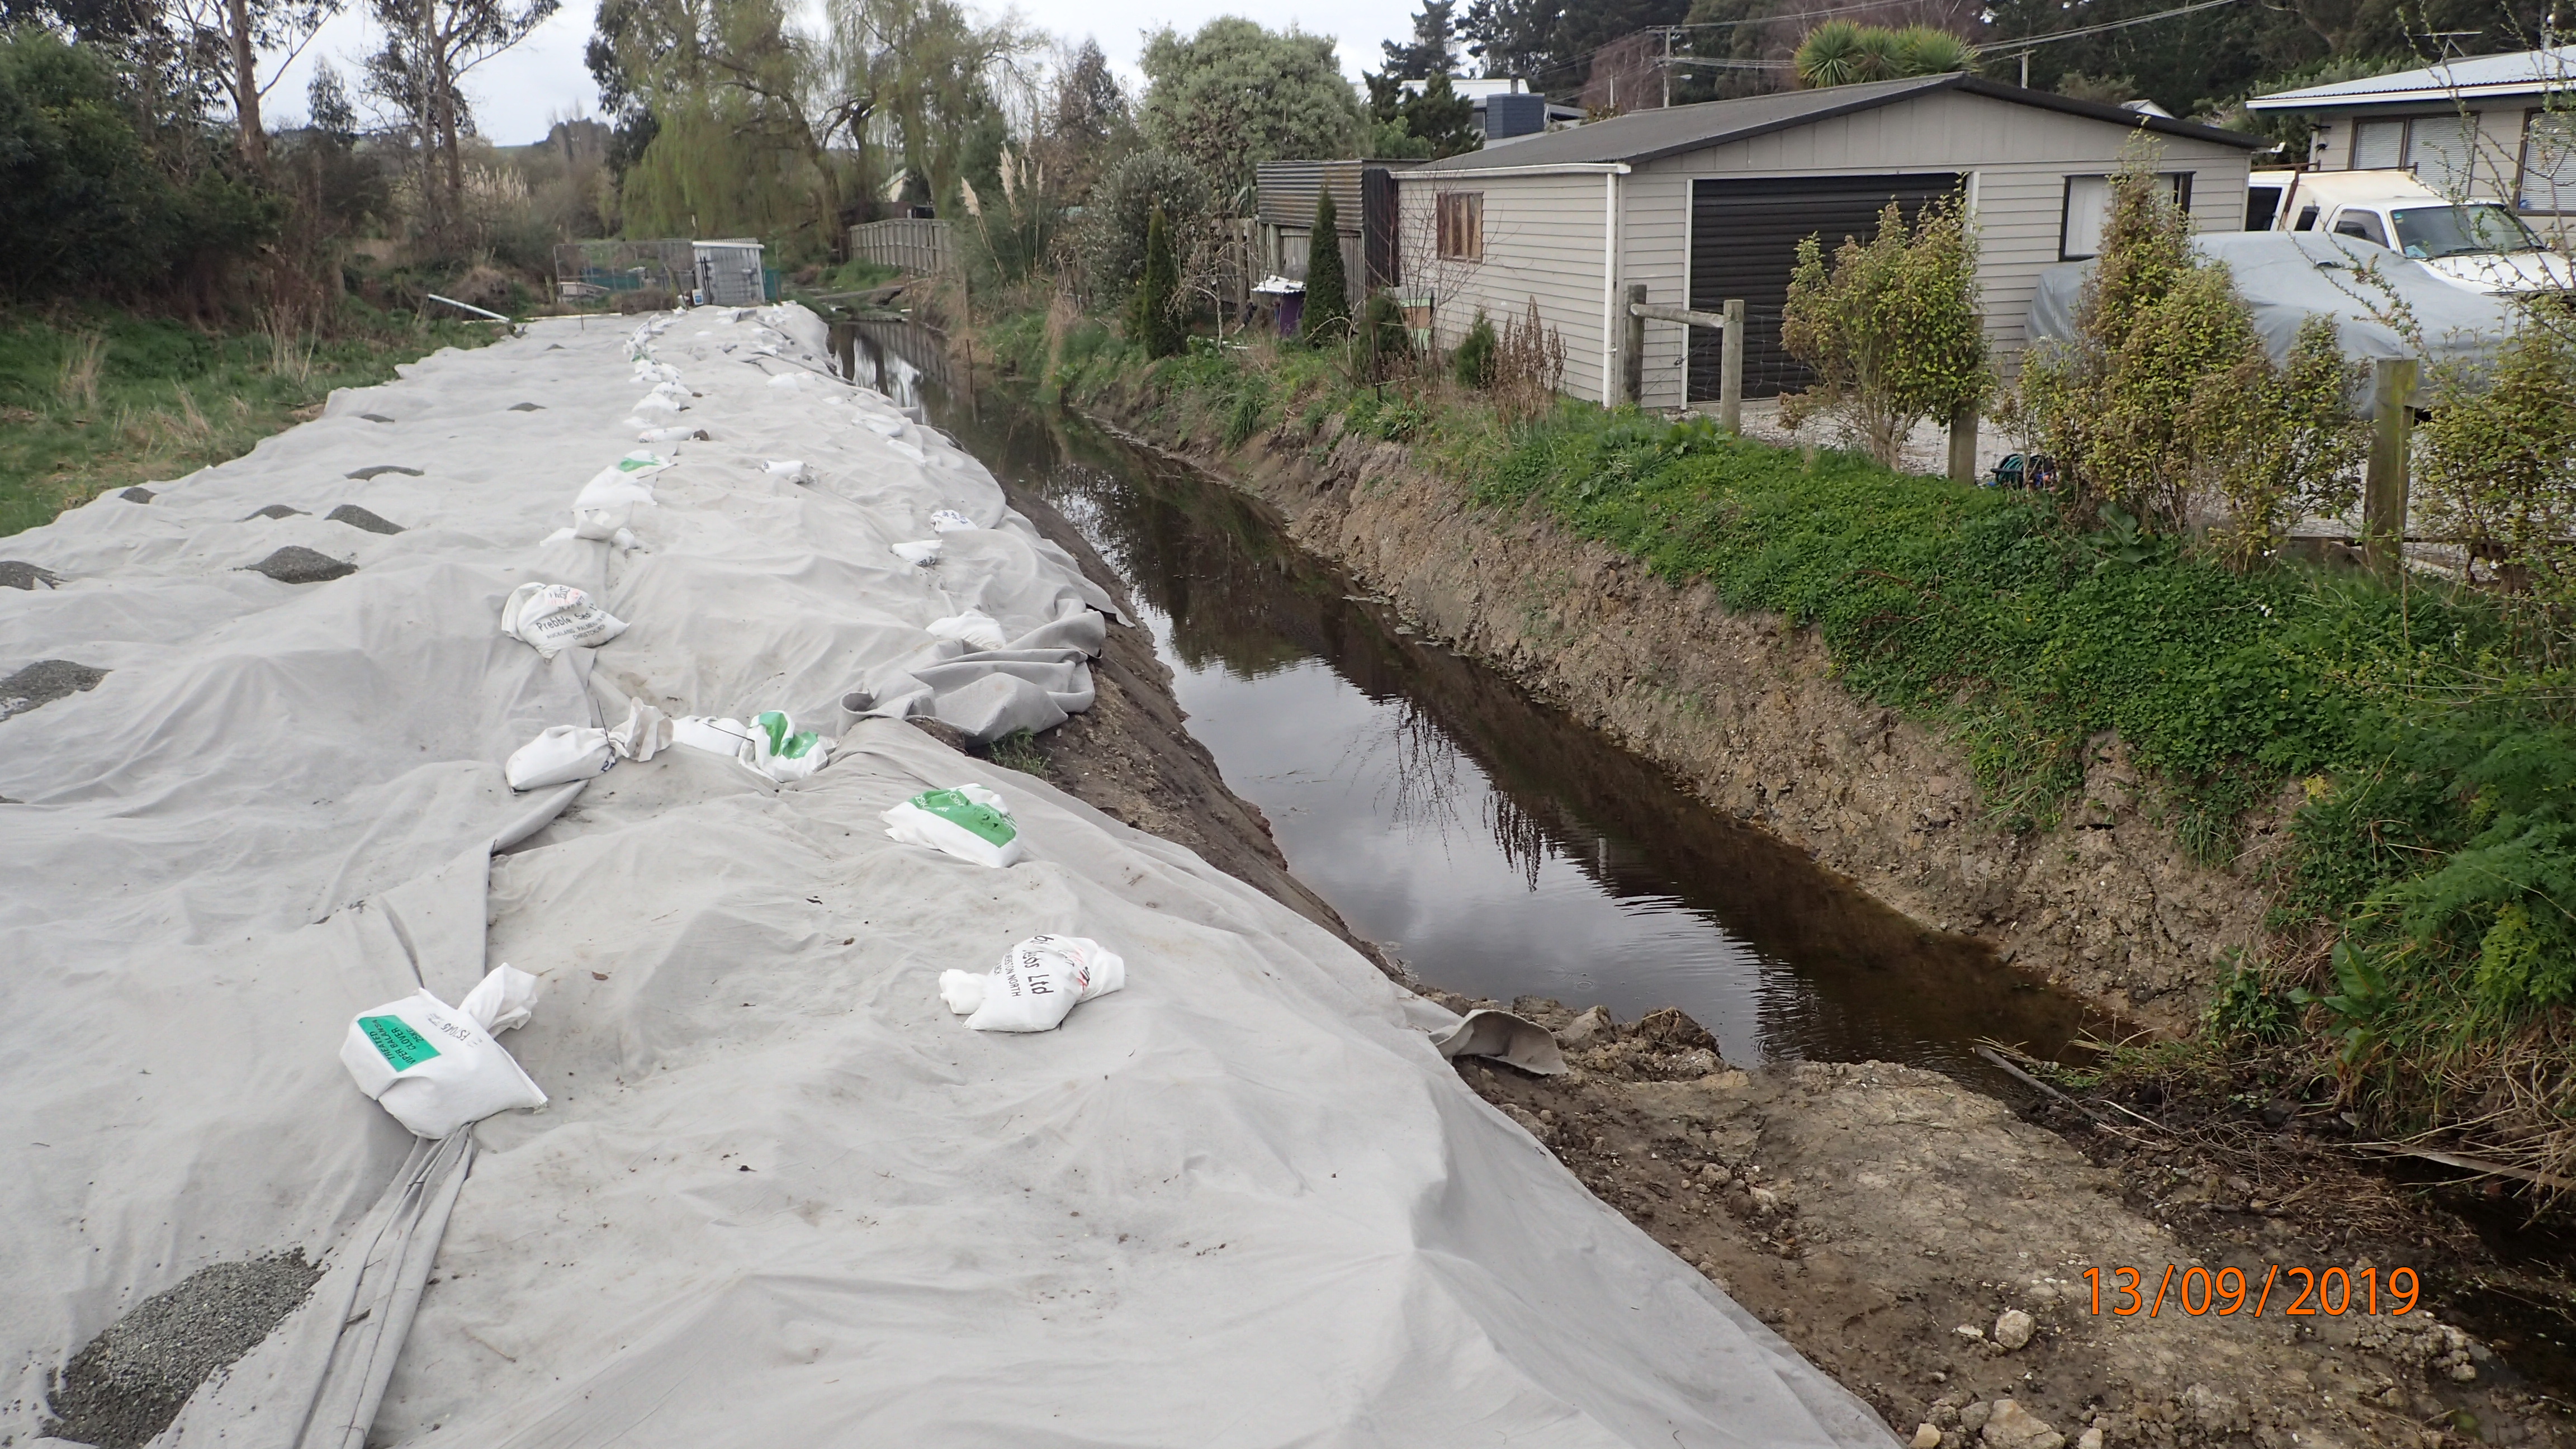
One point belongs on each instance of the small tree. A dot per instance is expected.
(2166, 405)
(1891, 328)
(2499, 462)
(1150, 319)
(1473, 362)
(1328, 295)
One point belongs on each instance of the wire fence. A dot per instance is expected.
(606, 268)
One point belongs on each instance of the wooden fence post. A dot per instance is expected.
(1632, 348)
(2383, 493)
(1730, 368)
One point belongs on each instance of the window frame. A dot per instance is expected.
(2177, 182)
(1458, 226)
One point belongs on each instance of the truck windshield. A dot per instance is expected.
(2452, 231)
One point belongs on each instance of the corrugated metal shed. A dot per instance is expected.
(1288, 190)
(729, 272)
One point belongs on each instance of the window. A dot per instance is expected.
(2442, 149)
(2378, 145)
(1461, 224)
(2088, 207)
(2548, 162)
(2361, 224)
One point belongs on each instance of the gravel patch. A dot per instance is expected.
(43, 682)
(356, 517)
(276, 510)
(16, 575)
(138, 495)
(296, 564)
(363, 474)
(128, 1383)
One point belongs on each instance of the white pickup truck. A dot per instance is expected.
(2480, 246)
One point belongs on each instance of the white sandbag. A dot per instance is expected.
(1041, 980)
(436, 1067)
(962, 991)
(884, 424)
(783, 753)
(969, 822)
(726, 737)
(920, 555)
(787, 470)
(974, 628)
(906, 450)
(559, 755)
(626, 481)
(949, 520)
(551, 618)
(654, 404)
(682, 434)
(770, 745)
(646, 732)
(601, 524)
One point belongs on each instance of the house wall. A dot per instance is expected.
(1543, 241)
(2498, 161)
(2018, 158)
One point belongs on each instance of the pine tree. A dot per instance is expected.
(1151, 323)
(1328, 292)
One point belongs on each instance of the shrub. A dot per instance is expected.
(1390, 344)
(1328, 296)
(1108, 244)
(1473, 362)
(2499, 468)
(1891, 328)
(1149, 320)
(2165, 404)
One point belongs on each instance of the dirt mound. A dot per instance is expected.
(128, 1383)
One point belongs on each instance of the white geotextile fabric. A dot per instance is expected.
(780, 1195)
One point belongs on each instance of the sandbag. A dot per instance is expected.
(974, 628)
(949, 520)
(628, 480)
(559, 755)
(921, 554)
(969, 822)
(436, 1067)
(553, 617)
(781, 751)
(1041, 980)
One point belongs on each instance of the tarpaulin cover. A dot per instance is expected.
(780, 1195)
(2289, 276)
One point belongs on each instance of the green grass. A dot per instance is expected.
(2432, 830)
(96, 400)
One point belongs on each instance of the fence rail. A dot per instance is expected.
(912, 244)
(594, 268)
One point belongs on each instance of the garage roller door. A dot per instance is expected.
(1744, 241)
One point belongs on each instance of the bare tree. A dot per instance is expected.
(430, 46)
(223, 39)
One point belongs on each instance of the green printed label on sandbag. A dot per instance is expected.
(782, 744)
(631, 463)
(403, 1047)
(953, 807)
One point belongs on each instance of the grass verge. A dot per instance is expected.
(93, 400)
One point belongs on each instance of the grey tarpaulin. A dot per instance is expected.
(779, 1196)
(2290, 276)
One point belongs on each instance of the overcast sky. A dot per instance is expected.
(517, 96)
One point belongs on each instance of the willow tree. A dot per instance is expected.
(742, 124)
(918, 86)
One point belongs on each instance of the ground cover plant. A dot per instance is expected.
(98, 399)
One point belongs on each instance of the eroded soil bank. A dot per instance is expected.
(1873, 1213)
(1744, 711)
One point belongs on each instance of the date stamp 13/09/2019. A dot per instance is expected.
(2293, 1292)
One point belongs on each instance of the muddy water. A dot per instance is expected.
(1494, 844)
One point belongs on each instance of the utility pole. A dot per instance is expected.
(2025, 70)
(1667, 67)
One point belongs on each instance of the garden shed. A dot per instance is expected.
(1708, 202)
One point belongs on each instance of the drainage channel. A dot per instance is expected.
(1494, 844)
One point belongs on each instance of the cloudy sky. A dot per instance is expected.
(517, 96)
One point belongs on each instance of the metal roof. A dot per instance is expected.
(1649, 135)
(2524, 72)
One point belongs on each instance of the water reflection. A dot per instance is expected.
(1500, 847)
